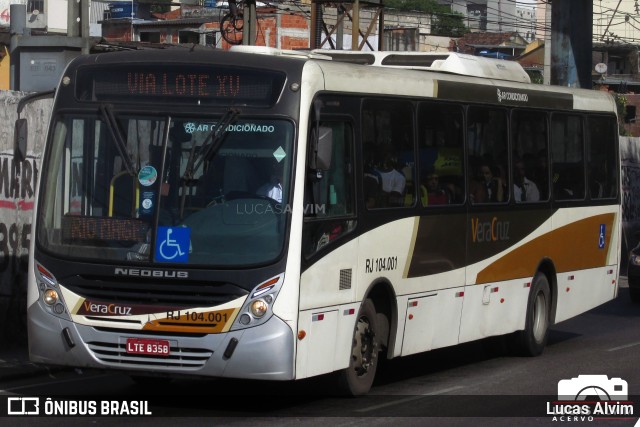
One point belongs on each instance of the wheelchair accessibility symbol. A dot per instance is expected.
(603, 233)
(172, 244)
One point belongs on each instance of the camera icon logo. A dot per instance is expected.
(593, 387)
(23, 406)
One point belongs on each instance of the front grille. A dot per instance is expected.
(148, 333)
(148, 291)
(179, 357)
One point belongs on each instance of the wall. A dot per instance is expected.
(17, 186)
(57, 11)
(5, 69)
(632, 123)
(5, 16)
(630, 159)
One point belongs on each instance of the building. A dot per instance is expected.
(506, 45)
(497, 16)
(278, 26)
(50, 16)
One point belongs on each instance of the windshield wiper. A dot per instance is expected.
(211, 144)
(207, 150)
(118, 137)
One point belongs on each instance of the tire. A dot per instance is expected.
(356, 380)
(634, 294)
(532, 340)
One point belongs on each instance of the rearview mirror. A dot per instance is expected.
(20, 134)
(322, 149)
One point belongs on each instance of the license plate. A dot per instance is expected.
(148, 346)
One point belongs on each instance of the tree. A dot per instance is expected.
(445, 22)
(161, 6)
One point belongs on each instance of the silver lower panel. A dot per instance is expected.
(263, 352)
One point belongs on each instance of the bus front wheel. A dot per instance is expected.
(532, 340)
(357, 379)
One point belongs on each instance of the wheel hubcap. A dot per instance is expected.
(364, 348)
(539, 317)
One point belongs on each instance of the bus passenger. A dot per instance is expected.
(435, 193)
(273, 188)
(371, 186)
(541, 174)
(524, 190)
(493, 184)
(477, 190)
(393, 182)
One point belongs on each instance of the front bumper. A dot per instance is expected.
(263, 352)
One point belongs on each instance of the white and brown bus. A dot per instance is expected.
(279, 215)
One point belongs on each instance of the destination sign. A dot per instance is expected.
(200, 84)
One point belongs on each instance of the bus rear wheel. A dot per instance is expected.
(532, 340)
(357, 379)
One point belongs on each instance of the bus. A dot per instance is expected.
(279, 215)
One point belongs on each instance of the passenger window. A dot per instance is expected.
(487, 143)
(530, 163)
(329, 206)
(602, 165)
(387, 150)
(440, 154)
(567, 157)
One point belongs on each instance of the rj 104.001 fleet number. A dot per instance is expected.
(381, 264)
(197, 317)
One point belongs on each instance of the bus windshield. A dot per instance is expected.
(158, 189)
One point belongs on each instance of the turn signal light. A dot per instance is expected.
(259, 308)
(50, 297)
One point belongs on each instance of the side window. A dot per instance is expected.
(567, 157)
(602, 166)
(329, 206)
(530, 156)
(440, 154)
(387, 150)
(488, 160)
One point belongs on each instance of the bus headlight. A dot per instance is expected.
(259, 308)
(50, 293)
(635, 259)
(50, 297)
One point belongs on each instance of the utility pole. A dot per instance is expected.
(317, 22)
(78, 22)
(571, 43)
(250, 22)
(73, 18)
(17, 29)
(356, 25)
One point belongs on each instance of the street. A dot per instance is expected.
(452, 386)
